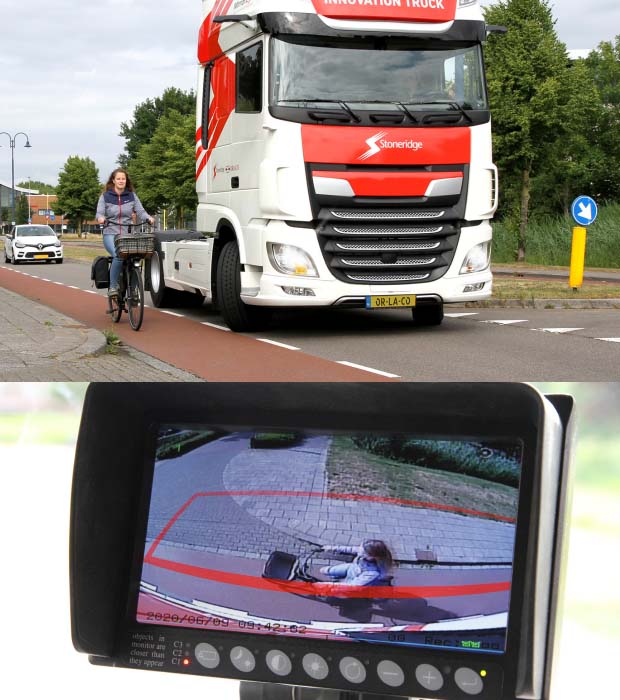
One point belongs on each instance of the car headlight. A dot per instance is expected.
(58, 244)
(291, 260)
(477, 259)
(20, 245)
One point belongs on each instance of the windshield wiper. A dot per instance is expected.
(341, 103)
(451, 103)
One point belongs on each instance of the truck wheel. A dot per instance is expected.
(431, 315)
(238, 316)
(160, 295)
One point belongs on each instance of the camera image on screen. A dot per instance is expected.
(376, 538)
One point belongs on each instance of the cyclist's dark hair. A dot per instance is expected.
(380, 552)
(110, 183)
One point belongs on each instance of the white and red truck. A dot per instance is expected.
(343, 158)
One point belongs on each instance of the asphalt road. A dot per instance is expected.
(488, 345)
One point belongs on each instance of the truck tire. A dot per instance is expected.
(429, 315)
(162, 296)
(237, 315)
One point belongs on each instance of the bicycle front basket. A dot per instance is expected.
(142, 244)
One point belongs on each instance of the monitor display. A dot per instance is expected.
(378, 538)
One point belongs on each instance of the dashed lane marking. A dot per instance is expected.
(461, 315)
(280, 345)
(506, 323)
(368, 369)
(171, 313)
(610, 340)
(558, 330)
(215, 325)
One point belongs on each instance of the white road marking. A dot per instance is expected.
(368, 369)
(558, 330)
(610, 340)
(214, 325)
(506, 323)
(171, 313)
(280, 345)
(461, 315)
(72, 287)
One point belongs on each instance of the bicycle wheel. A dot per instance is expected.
(135, 298)
(115, 308)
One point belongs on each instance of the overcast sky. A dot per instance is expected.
(72, 70)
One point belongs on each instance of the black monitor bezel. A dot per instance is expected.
(469, 410)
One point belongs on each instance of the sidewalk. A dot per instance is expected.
(39, 343)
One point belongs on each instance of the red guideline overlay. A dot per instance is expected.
(340, 591)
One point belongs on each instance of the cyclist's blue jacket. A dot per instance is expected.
(117, 210)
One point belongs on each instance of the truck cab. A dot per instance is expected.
(343, 156)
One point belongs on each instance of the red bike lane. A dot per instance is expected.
(206, 352)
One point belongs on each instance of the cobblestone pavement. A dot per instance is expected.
(239, 522)
(38, 343)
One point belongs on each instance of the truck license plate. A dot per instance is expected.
(390, 301)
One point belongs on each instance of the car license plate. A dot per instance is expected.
(390, 301)
(41, 257)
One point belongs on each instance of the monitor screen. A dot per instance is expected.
(370, 538)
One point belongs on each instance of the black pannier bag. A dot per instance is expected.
(100, 272)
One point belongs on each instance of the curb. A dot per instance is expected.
(545, 304)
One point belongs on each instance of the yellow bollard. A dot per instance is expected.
(578, 257)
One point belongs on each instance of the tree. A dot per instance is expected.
(603, 66)
(527, 73)
(146, 116)
(42, 187)
(164, 169)
(22, 210)
(78, 190)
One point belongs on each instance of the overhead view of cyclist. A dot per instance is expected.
(371, 567)
(115, 209)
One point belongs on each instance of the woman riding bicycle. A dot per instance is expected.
(371, 567)
(115, 208)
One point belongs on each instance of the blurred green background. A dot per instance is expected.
(49, 414)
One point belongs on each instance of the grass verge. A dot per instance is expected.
(356, 471)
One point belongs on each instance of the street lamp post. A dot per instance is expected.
(12, 145)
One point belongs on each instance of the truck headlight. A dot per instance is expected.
(477, 259)
(291, 260)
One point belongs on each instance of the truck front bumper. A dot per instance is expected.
(263, 285)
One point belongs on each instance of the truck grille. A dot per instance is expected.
(404, 248)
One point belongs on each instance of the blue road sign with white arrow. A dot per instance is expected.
(584, 210)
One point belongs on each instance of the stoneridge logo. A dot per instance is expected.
(378, 143)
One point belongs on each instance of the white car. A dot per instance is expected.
(32, 243)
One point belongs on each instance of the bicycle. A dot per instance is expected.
(132, 249)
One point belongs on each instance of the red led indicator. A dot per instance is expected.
(186, 662)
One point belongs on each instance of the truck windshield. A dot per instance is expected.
(363, 74)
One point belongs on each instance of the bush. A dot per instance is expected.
(271, 441)
(470, 458)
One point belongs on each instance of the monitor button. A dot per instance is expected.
(391, 674)
(207, 655)
(242, 659)
(352, 670)
(279, 662)
(429, 677)
(315, 666)
(469, 681)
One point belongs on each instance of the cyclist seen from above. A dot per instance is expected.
(115, 209)
(371, 567)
